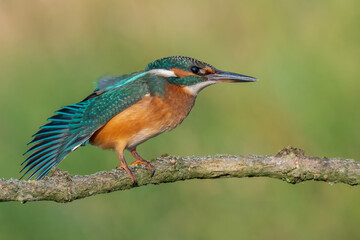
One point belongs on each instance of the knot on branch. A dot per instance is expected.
(286, 151)
(56, 173)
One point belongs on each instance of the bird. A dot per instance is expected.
(125, 111)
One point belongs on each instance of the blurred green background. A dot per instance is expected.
(306, 55)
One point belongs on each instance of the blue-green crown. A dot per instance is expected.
(181, 62)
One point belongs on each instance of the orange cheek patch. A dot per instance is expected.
(181, 73)
(209, 70)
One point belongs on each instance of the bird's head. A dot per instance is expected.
(193, 74)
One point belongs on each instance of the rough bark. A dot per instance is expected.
(290, 165)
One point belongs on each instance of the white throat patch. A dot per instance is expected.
(195, 89)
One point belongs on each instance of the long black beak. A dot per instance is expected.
(222, 76)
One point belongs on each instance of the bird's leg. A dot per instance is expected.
(126, 168)
(140, 160)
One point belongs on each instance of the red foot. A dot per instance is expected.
(126, 168)
(140, 160)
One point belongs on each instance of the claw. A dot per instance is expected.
(140, 160)
(147, 163)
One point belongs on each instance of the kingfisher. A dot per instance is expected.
(125, 111)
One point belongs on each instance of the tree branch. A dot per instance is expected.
(290, 165)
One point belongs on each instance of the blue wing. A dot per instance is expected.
(73, 125)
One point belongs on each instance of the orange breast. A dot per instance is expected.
(147, 118)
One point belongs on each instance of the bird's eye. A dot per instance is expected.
(195, 69)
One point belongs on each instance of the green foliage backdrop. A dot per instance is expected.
(306, 55)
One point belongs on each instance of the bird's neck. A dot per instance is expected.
(179, 95)
(180, 100)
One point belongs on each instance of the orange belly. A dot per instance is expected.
(147, 118)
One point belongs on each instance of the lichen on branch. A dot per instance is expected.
(290, 165)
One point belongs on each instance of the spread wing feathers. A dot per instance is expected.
(56, 139)
(73, 125)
